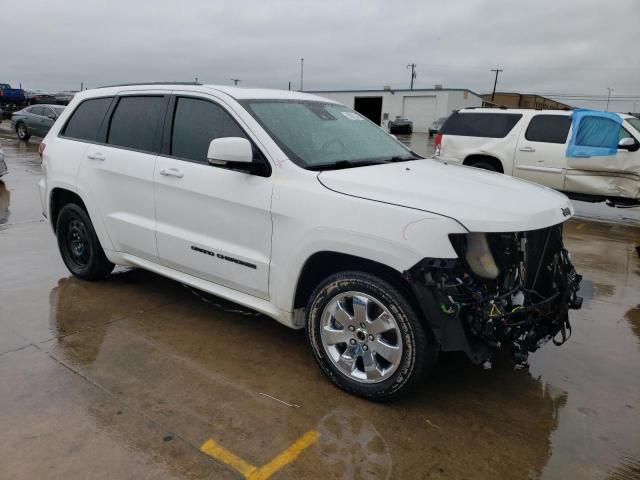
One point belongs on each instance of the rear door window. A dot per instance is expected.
(134, 123)
(490, 125)
(86, 120)
(195, 123)
(548, 129)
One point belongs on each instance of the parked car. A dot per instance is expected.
(3, 165)
(436, 125)
(11, 98)
(532, 145)
(400, 125)
(63, 98)
(293, 206)
(35, 120)
(35, 98)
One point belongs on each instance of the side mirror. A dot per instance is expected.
(229, 149)
(628, 143)
(52, 116)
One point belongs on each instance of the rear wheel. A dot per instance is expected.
(79, 245)
(367, 337)
(22, 131)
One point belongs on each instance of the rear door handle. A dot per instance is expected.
(97, 156)
(527, 149)
(171, 172)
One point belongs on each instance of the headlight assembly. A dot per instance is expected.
(479, 257)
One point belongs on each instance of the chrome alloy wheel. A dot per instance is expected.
(361, 337)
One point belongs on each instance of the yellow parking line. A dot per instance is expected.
(211, 448)
(251, 472)
(285, 457)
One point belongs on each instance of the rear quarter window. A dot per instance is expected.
(490, 125)
(86, 120)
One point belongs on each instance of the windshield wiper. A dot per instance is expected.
(344, 164)
(402, 159)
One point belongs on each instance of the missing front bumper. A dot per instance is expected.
(521, 310)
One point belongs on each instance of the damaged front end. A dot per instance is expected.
(504, 291)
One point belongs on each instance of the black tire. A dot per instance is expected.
(485, 166)
(23, 131)
(419, 350)
(79, 245)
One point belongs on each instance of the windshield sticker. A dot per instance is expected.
(352, 116)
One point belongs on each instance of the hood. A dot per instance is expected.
(481, 201)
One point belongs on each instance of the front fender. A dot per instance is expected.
(393, 236)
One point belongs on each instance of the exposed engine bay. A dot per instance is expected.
(504, 291)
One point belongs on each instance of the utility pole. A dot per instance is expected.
(236, 81)
(413, 73)
(495, 83)
(302, 74)
(81, 86)
(608, 98)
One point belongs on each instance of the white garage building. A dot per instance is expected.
(420, 106)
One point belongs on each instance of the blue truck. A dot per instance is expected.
(11, 99)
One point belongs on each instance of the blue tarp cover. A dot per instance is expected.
(595, 134)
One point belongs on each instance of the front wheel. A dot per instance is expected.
(79, 245)
(23, 132)
(367, 337)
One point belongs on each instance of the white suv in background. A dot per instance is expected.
(302, 209)
(532, 145)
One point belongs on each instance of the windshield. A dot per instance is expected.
(634, 122)
(318, 135)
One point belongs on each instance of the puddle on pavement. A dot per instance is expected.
(5, 201)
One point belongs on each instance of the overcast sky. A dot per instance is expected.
(571, 47)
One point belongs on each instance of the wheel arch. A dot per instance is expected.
(60, 197)
(323, 264)
(472, 159)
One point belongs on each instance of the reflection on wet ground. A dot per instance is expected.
(5, 200)
(127, 378)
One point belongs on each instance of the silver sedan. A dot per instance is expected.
(35, 120)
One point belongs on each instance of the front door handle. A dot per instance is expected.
(527, 149)
(96, 156)
(171, 172)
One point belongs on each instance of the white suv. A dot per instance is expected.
(302, 209)
(532, 145)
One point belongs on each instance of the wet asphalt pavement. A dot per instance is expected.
(129, 377)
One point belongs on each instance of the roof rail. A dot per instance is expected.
(149, 83)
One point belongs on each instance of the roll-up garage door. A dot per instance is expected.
(420, 110)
